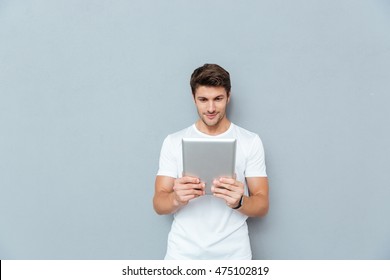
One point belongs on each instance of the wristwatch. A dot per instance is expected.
(239, 203)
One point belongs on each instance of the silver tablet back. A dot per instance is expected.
(209, 159)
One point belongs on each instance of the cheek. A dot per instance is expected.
(222, 107)
(202, 107)
(199, 108)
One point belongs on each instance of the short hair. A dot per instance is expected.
(211, 75)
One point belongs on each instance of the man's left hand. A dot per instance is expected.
(228, 189)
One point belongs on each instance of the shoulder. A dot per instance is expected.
(177, 136)
(181, 133)
(248, 142)
(245, 135)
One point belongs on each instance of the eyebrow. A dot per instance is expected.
(203, 97)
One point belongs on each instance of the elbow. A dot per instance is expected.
(262, 211)
(159, 211)
(159, 207)
(156, 208)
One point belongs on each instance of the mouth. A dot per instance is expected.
(211, 116)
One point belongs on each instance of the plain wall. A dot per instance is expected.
(89, 90)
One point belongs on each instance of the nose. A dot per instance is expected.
(211, 107)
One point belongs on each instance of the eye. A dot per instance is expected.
(201, 99)
(219, 98)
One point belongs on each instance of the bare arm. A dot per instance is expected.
(255, 205)
(171, 194)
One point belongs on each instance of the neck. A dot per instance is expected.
(214, 130)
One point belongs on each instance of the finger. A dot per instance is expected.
(220, 184)
(230, 184)
(184, 199)
(189, 193)
(188, 186)
(226, 193)
(190, 179)
(228, 200)
(185, 190)
(230, 181)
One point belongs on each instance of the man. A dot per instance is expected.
(211, 226)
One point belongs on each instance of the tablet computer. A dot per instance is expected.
(209, 159)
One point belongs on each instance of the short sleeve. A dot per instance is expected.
(256, 160)
(168, 162)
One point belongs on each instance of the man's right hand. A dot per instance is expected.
(187, 188)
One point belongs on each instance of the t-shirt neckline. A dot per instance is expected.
(211, 136)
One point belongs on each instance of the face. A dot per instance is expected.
(211, 103)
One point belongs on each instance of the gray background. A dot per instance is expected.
(89, 90)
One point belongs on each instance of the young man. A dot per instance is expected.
(211, 226)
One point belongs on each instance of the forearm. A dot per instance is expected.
(164, 203)
(254, 206)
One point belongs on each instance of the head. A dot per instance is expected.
(210, 75)
(210, 86)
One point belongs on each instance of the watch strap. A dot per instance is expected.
(240, 203)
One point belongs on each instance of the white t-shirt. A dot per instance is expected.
(206, 228)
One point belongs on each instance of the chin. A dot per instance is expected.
(211, 124)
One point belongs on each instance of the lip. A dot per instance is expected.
(211, 116)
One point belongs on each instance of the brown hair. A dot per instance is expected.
(211, 75)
